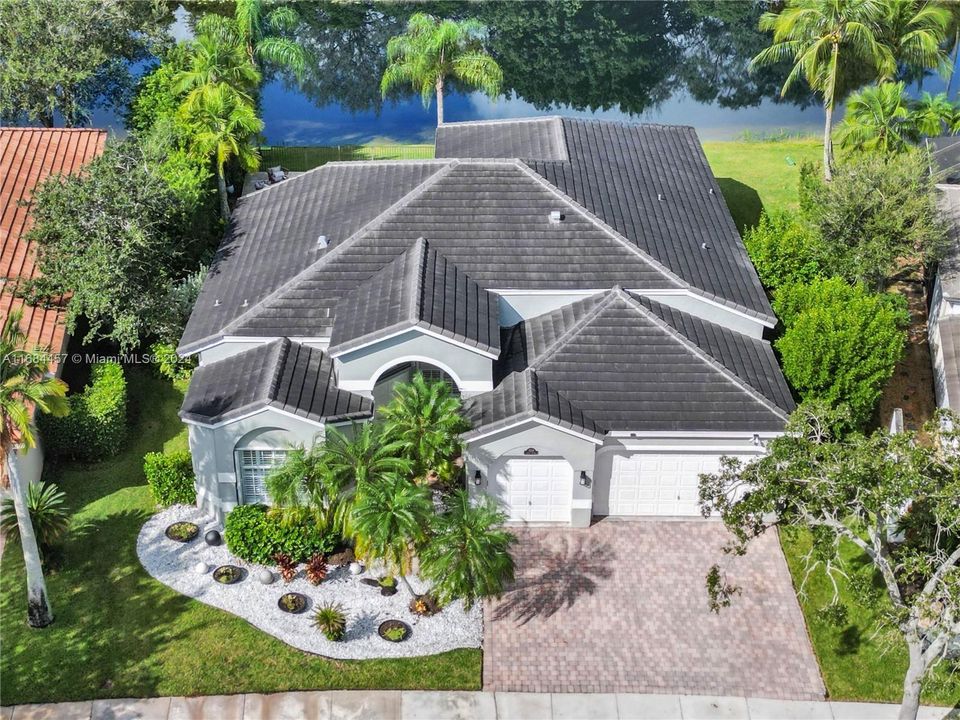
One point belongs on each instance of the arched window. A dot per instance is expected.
(404, 372)
(257, 453)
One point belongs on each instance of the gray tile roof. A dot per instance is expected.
(281, 374)
(651, 183)
(522, 396)
(273, 234)
(633, 365)
(539, 138)
(421, 288)
(491, 219)
(950, 347)
(948, 269)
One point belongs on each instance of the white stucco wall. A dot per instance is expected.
(358, 371)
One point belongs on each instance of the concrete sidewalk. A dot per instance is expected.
(396, 705)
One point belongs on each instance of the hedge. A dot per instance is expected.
(96, 426)
(255, 533)
(170, 477)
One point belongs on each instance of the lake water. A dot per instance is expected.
(667, 62)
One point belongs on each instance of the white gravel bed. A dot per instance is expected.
(172, 563)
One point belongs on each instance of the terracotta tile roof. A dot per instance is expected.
(27, 157)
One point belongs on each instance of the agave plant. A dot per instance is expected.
(47, 506)
(331, 620)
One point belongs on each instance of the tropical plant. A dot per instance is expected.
(916, 31)
(260, 32)
(467, 554)
(286, 565)
(213, 61)
(222, 121)
(425, 420)
(389, 518)
(432, 50)
(26, 386)
(255, 533)
(879, 118)
(820, 37)
(316, 568)
(854, 490)
(784, 250)
(331, 620)
(47, 505)
(935, 115)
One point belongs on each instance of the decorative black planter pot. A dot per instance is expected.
(182, 531)
(372, 582)
(388, 590)
(212, 538)
(292, 602)
(228, 574)
(394, 630)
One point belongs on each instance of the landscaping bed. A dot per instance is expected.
(175, 565)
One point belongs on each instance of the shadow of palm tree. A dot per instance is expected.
(555, 576)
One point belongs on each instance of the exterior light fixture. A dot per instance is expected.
(756, 440)
(584, 480)
(477, 478)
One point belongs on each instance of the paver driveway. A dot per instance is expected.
(621, 607)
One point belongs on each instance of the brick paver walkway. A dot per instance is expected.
(621, 607)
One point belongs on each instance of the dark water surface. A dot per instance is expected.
(669, 62)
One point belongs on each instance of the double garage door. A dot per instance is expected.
(665, 484)
(535, 489)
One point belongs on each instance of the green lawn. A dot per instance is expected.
(119, 633)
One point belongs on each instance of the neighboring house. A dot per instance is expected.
(944, 313)
(580, 283)
(27, 157)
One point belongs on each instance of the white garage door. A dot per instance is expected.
(658, 483)
(536, 490)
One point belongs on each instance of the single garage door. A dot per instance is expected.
(658, 483)
(536, 490)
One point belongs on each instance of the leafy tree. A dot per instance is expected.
(878, 118)
(432, 50)
(876, 213)
(261, 32)
(784, 250)
(65, 58)
(841, 342)
(820, 37)
(468, 552)
(389, 518)
(115, 239)
(26, 386)
(425, 421)
(859, 489)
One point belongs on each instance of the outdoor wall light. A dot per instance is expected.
(584, 480)
(756, 440)
(477, 478)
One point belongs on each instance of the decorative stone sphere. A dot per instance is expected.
(264, 576)
(356, 568)
(212, 538)
(201, 568)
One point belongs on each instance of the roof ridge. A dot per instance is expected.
(273, 385)
(699, 351)
(347, 242)
(417, 269)
(564, 398)
(501, 121)
(572, 331)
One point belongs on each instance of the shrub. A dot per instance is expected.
(256, 533)
(46, 504)
(170, 365)
(96, 427)
(316, 569)
(286, 566)
(170, 477)
(331, 621)
(841, 342)
(783, 250)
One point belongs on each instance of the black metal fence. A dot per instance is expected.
(306, 157)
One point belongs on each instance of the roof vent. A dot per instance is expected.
(322, 242)
(660, 197)
(556, 216)
(244, 303)
(710, 191)
(216, 303)
(704, 246)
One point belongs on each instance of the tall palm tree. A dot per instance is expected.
(468, 553)
(214, 60)
(935, 115)
(916, 33)
(432, 50)
(259, 31)
(818, 36)
(389, 518)
(220, 124)
(425, 419)
(25, 387)
(879, 118)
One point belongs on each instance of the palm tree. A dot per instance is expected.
(214, 60)
(260, 33)
(935, 115)
(811, 34)
(389, 518)
(432, 50)
(916, 32)
(25, 387)
(424, 418)
(879, 118)
(468, 553)
(220, 124)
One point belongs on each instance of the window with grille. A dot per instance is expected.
(255, 465)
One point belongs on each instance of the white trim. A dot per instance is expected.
(695, 434)
(419, 329)
(469, 386)
(581, 503)
(252, 413)
(712, 449)
(538, 421)
(323, 339)
(562, 291)
(682, 292)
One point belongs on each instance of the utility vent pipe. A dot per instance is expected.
(556, 216)
(322, 242)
